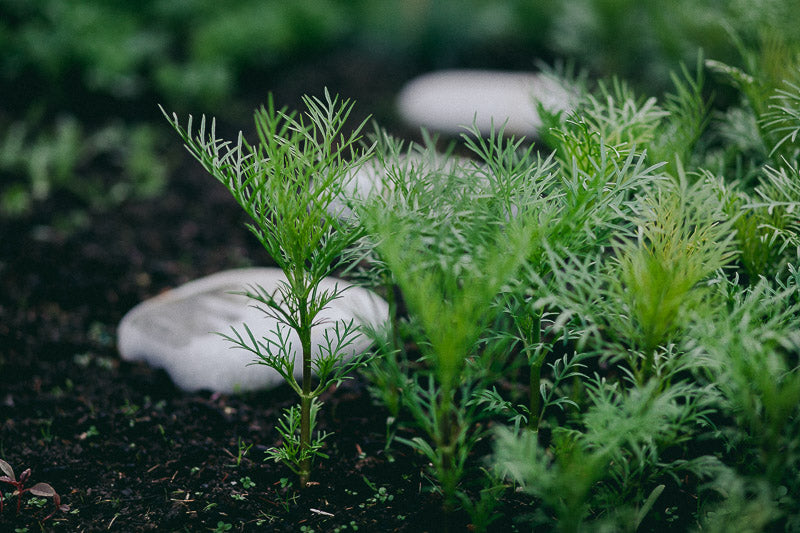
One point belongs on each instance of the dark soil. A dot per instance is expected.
(124, 448)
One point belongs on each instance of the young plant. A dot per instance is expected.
(600, 165)
(614, 458)
(749, 347)
(242, 449)
(451, 247)
(287, 184)
(682, 241)
(631, 305)
(42, 490)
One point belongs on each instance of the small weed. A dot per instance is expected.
(287, 495)
(265, 518)
(671, 514)
(42, 490)
(247, 483)
(37, 502)
(352, 526)
(241, 451)
(222, 527)
(46, 430)
(82, 359)
(129, 410)
(85, 359)
(380, 495)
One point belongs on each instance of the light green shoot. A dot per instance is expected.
(683, 238)
(451, 245)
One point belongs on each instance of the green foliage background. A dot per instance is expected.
(80, 80)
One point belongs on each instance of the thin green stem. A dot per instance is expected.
(446, 445)
(304, 332)
(535, 406)
(536, 352)
(391, 299)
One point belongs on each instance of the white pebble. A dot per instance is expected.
(177, 330)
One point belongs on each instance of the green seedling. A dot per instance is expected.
(286, 494)
(42, 490)
(222, 527)
(452, 238)
(241, 451)
(379, 494)
(288, 184)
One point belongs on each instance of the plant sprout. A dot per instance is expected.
(43, 490)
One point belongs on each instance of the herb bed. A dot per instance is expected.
(658, 408)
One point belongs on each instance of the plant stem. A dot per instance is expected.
(447, 446)
(644, 371)
(391, 299)
(536, 352)
(306, 398)
(535, 405)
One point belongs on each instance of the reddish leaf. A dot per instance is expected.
(5, 467)
(42, 489)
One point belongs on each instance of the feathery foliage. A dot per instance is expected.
(287, 184)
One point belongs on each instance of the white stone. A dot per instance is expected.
(449, 101)
(376, 177)
(177, 330)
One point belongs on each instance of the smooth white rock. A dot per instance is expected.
(448, 101)
(177, 330)
(377, 177)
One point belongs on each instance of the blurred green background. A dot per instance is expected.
(80, 80)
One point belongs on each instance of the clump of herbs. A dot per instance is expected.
(603, 308)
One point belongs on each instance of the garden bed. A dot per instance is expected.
(125, 449)
(634, 309)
